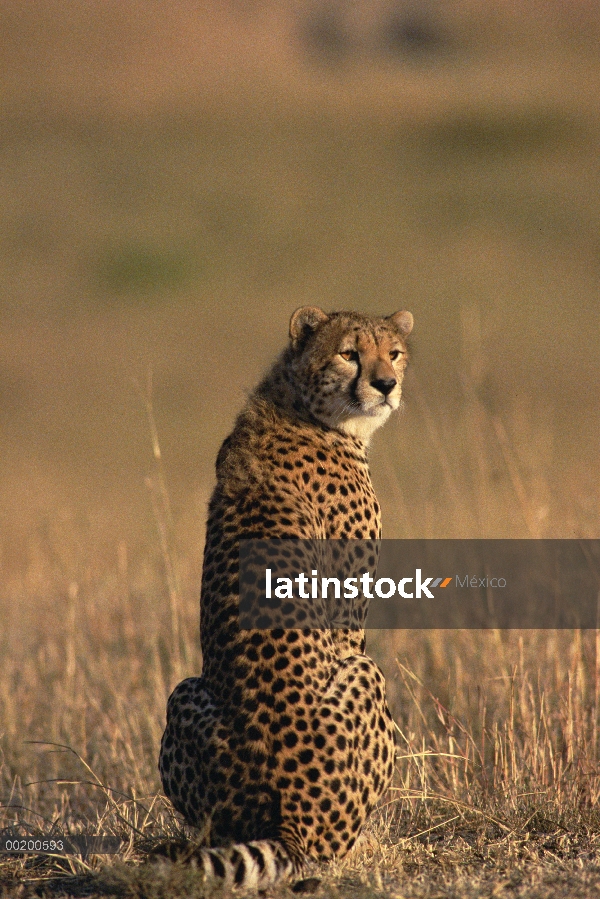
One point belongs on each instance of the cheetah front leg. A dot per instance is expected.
(341, 765)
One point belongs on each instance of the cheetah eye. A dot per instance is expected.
(394, 354)
(349, 355)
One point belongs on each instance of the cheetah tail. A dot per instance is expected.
(256, 865)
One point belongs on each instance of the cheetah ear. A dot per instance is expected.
(305, 320)
(403, 321)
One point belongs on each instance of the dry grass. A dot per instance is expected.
(497, 778)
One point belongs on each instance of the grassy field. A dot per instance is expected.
(161, 216)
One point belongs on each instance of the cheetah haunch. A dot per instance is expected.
(280, 750)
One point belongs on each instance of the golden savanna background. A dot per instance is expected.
(175, 179)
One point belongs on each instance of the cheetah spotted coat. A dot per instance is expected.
(282, 747)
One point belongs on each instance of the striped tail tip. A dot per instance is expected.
(256, 865)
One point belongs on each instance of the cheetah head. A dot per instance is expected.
(348, 368)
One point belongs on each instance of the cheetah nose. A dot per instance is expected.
(384, 385)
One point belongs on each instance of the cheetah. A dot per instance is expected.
(281, 748)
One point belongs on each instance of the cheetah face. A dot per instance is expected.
(348, 367)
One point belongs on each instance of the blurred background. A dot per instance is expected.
(175, 179)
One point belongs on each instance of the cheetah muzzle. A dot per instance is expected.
(281, 748)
